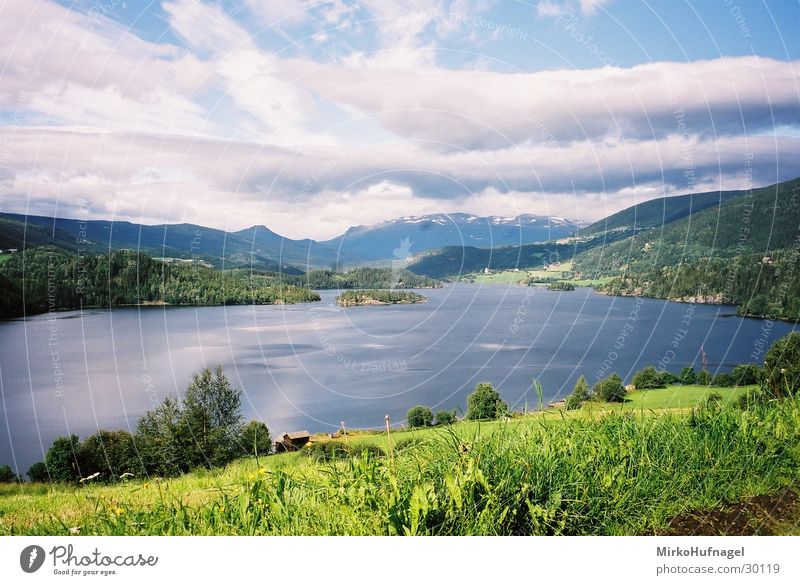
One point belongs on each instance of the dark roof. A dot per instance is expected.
(298, 435)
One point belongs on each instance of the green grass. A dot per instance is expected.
(604, 469)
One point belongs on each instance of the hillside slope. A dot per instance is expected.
(758, 221)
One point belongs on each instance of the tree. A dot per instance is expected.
(580, 394)
(703, 378)
(419, 416)
(109, 453)
(484, 403)
(211, 418)
(7, 475)
(782, 366)
(159, 442)
(647, 379)
(688, 376)
(723, 380)
(668, 378)
(745, 374)
(62, 459)
(254, 439)
(610, 389)
(445, 417)
(38, 472)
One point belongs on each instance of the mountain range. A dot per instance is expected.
(258, 246)
(652, 233)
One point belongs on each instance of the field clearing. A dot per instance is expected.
(152, 506)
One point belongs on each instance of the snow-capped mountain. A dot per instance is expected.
(400, 238)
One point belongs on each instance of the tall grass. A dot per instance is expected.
(616, 474)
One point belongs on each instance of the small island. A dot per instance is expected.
(357, 298)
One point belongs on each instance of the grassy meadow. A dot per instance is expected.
(602, 469)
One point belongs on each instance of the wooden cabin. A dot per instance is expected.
(292, 441)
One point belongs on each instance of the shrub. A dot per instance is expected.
(723, 380)
(782, 366)
(408, 443)
(254, 438)
(328, 451)
(668, 378)
(580, 393)
(485, 403)
(647, 379)
(38, 472)
(745, 374)
(109, 453)
(703, 378)
(688, 376)
(366, 450)
(7, 474)
(445, 417)
(610, 389)
(62, 459)
(420, 416)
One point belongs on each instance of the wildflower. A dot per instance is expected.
(75, 530)
(126, 474)
(118, 511)
(91, 477)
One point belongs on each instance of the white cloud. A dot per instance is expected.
(224, 133)
(320, 191)
(480, 110)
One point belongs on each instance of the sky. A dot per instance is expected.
(310, 117)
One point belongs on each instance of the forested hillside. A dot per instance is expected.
(49, 278)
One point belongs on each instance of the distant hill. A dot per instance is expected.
(659, 212)
(261, 248)
(454, 261)
(758, 221)
(745, 252)
(256, 246)
(401, 238)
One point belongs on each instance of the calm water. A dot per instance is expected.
(311, 366)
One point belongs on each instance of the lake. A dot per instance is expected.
(311, 366)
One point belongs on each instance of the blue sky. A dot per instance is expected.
(310, 117)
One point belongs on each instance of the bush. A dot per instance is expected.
(580, 393)
(109, 453)
(745, 374)
(38, 472)
(420, 416)
(723, 380)
(62, 459)
(445, 417)
(408, 443)
(648, 379)
(610, 389)
(366, 450)
(328, 451)
(782, 366)
(703, 378)
(7, 475)
(254, 439)
(688, 376)
(485, 403)
(668, 378)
